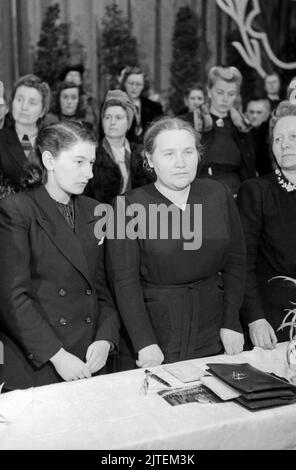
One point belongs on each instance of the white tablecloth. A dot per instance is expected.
(111, 412)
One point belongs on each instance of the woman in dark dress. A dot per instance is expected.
(30, 102)
(57, 318)
(229, 154)
(267, 207)
(132, 81)
(178, 277)
(119, 163)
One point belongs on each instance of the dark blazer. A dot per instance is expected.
(150, 110)
(107, 181)
(53, 289)
(12, 157)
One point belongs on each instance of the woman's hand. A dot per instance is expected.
(97, 355)
(233, 341)
(150, 356)
(69, 366)
(262, 334)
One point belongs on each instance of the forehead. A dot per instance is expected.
(196, 93)
(284, 124)
(225, 86)
(73, 72)
(271, 79)
(256, 106)
(138, 77)
(79, 149)
(115, 110)
(174, 138)
(29, 92)
(70, 91)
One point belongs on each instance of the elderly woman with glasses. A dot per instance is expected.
(132, 81)
(267, 207)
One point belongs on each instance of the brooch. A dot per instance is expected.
(220, 122)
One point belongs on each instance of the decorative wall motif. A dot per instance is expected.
(252, 41)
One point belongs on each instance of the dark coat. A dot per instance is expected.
(268, 215)
(12, 157)
(53, 290)
(107, 181)
(150, 110)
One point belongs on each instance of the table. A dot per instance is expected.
(111, 412)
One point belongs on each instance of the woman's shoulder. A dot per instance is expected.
(19, 203)
(209, 186)
(261, 183)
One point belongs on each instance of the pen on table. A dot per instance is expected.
(156, 377)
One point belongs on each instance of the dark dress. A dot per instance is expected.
(268, 215)
(179, 298)
(53, 288)
(228, 154)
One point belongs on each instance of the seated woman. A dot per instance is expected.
(30, 102)
(267, 207)
(229, 153)
(132, 81)
(57, 318)
(178, 291)
(119, 163)
(68, 105)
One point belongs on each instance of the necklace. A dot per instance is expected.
(284, 182)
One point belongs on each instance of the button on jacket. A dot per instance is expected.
(48, 275)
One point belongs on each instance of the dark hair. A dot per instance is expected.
(75, 68)
(194, 86)
(168, 124)
(80, 110)
(32, 81)
(54, 138)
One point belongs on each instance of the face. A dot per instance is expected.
(74, 77)
(134, 85)
(272, 84)
(70, 171)
(284, 142)
(69, 99)
(174, 159)
(222, 95)
(194, 100)
(3, 111)
(115, 122)
(27, 106)
(256, 113)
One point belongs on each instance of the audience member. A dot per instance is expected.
(178, 295)
(267, 207)
(228, 150)
(146, 110)
(57, 317)
(30, 102)
(119, 163)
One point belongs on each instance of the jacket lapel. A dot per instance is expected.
(15, 148)
(53, 223)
